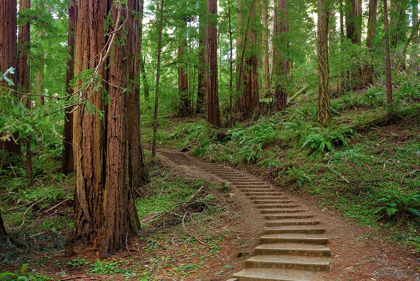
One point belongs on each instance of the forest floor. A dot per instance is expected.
(193, 244)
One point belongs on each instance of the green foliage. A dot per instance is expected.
(22, 275)
(3, 76)
(399, 205)
(107, 268)
(297, 176)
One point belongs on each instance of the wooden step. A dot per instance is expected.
(302, 229)
(274, 274)
(295, 238)
(296, 249)
(289, 222)
(288, 216)
(283, 211)
(288, 261)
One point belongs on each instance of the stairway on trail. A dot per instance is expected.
(293, 246)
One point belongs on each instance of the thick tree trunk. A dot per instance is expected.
(8, 45)
(138, 172)
(247, 85)
(323, 68)
(282, 65)
(67, 164)
(185, 103)
(388, 55)
(201, 87)
(354, 21)
(104, 208)
(159, 52)
(213, 112)
(24, 76)
(368, 69)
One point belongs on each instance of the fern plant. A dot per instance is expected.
(297, 176)
(399, 206)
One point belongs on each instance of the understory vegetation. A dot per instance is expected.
(366, 163)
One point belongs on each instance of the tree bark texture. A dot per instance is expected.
(185, 103)
(213, 112)
(103, 199)
(388, 55)
(3, 232)
(354, 21)
(247, 85)
(67, 164)
(368, 69)
(146, 88)
(281, 64)
(323, 68)
(201, 87)
(265, 47)
(24, 77)
(8, 59)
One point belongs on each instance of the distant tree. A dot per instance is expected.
(266, 47)
(103, 202)
(67, 164)
(388, 55)
(324, 113)
(201, 87)
(185, 103)
(8, 59)
(368, 69)
(146, 90)
(213, 112)
(354, 21)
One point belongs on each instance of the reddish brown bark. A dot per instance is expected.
(3, 232)
(388, 55)
(354, 21)
(368, 69)
(67, 164)
(265, 47)
(282, 66)
(213, 112)
(185, 103)
(103, 197)
(8, 59)
(201, 87)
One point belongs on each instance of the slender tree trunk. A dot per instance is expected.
(281, 63)
(323, 67)
(103, 197)
(265, 47)
(146, 90)
(416, 21)
(201, 93)
(230, 63)
(8, 59)
(155, 114)
(67, 164)
(185, 104)
(388, 55)
(368, 69)
(24, 76)
(3, 232)
(40, 71)
(213, 112)
(341, 20)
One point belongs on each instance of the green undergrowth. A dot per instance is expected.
(365, 163)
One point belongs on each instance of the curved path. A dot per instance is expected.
(293, 246)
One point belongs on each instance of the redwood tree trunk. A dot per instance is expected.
(3, 232)
(281, 64)
(323, 70)
(67, 164)
(146, 90)
(201, 87)
(185, 104)
(368, 69)
(8, 45)
(388, 55)
(103, 197)
(354, 21)
(213, 112)
(24, 76)
(265, 47)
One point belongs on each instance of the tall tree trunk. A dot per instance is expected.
(354, 21)
(247, 85)
(41, 67)
(67, 164)
(146, 88)
(159, 52)
(185, 104)
(341, 20)
(230, 64)
(324, 113)
(368, 69)
(265, 47)
(388, 56)
(24, 38)
(282, 65)
(8, 59)
(103, 199)
(201, 87)
(213, 112)
(416, 21)
(138, 172)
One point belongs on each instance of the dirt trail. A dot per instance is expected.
(300, 241)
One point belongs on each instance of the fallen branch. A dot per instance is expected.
(338, 174)
(24, 214)
(189, 234)
(409, 175)
(55, 206)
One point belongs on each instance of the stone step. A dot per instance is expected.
(295, 238)
(289, 222)
(269, 202)
(298, 249)
(277, 206)
(282, 211)
(288, 261)
(274, 274)
(288, 216)
(301, 229)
